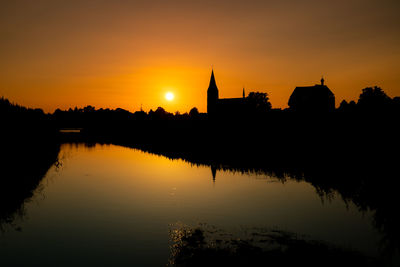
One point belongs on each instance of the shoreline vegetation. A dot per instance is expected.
(352, 150)
(208, 245)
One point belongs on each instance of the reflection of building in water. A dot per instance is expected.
(223, 106)
(312, 98)
(214, 172)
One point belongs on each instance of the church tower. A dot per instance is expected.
(212, 95)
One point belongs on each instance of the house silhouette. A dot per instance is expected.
(317, 98)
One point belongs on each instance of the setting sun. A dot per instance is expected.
(169, 96)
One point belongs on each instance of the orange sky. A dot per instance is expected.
(126, 54)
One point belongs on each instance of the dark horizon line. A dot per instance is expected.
(3, 98)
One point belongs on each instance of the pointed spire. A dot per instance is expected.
(212, 95)
(212, 80)
(322, 80)
(244, 95)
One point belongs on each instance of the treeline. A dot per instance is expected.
(11, 111)
(372, 100)
(90, 116)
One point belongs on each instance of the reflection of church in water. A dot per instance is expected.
(213, 172)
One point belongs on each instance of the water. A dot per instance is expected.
(108, 205)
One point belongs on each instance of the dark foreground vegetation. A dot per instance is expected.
(208, 246)
(352, 151)
(29, 147)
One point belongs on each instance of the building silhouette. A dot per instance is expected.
(223, 106)
(317, 98)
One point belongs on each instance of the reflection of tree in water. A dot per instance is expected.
(23, 166)
(370, 187)
(368, 183)
(28, 149)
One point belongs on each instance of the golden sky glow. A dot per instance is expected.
(130, 53)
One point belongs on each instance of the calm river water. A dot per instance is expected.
(108, 205)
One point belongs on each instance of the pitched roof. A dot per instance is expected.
(317, 90)
(311, 97)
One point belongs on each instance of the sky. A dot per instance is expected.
(129, 54)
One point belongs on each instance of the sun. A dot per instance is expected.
(169, 96)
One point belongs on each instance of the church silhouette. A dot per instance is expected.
(223, 106)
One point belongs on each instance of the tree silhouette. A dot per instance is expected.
(258, 102)
(347, 107)
(373, 99)
(194, 112)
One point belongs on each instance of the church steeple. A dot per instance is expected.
(212, 81)
(244, 95)
(212, 95)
